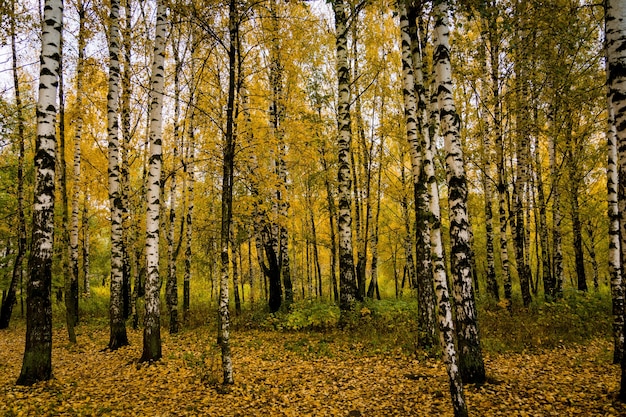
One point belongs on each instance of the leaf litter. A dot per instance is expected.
(298, 374)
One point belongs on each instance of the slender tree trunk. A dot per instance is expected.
(316, 257)
(373, 287)
(223, 335)
(72, 295)
(578, 242)
(277, 115)
(415, 147)
(332, 214)
(125, 112)
(520, 227)
(37, 360)
(493, 289)
(486, 158)
(265, 238)
(152, 319)
(347, 281)
(501, 185)
(140, 207)
(171, 288)
(471, 364)
(574, 188)
(118, 336)
(242, 280)
(86, 249)
(235, 254)
(251, 273)
(130, 235)
(9, 300)
(591, 248)
(548, 289)
(190, 176)
(71, 298)
(362, 171)
(427, 316)
(556, 222)
(408, 241)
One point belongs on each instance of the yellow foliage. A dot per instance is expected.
(296, 374)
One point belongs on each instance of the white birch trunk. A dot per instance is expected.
(615, 265)
(190, 178)
(74, 219)
(152, 318)
(615, 21)
(223, 331)
(556, 221)
(347, 279)
(470, 354)
(171, 288)
(37, 360)
(446, 325)
(425, 284)
(86, 248)
(118, 336)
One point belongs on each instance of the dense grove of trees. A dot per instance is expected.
(262, 152)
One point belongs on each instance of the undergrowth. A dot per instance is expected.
(390, 325)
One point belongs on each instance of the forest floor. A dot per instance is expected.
(298, 374)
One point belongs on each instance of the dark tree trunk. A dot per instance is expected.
(235, 252)
(333, 237)
(579, 255)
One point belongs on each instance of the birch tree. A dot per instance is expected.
(152, 318)
(277, 116)
(171, 288)
(76, 185)
(189, 173)
(223, 330)
(37, 360)
(615, 32)
(615, 269)
(86, 247)
(446, 325)
(125, 112)
(470, 356)
(423, 219)
(557, 217)
(70, 288)
(347, 280)
(118, 336)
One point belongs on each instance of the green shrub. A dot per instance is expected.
(310, 315)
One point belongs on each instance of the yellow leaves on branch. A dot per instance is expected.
(298, 374)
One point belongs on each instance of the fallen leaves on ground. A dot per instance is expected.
(298, 374)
